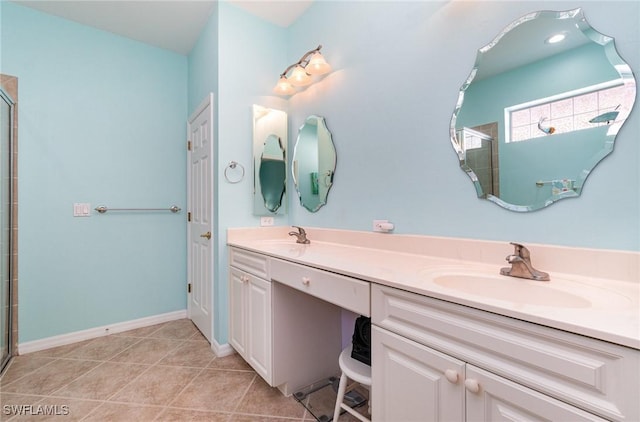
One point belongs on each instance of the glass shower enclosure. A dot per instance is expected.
(6, 143)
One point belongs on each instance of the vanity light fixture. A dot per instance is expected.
(312, 63)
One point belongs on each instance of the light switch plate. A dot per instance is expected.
(81, 209)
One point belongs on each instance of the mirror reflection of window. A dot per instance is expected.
(569, 112)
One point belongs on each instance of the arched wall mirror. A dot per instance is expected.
(535, 116)
(314, 163)
(269, 161)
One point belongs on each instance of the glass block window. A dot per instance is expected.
(588, 108)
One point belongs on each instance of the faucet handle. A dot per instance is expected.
(520, 250)
(300, 230)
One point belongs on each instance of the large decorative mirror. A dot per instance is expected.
(269, 161)
(314, 162)
(541, 107)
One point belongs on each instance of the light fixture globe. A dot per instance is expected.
(283, 87)
(299, 77)
(317, 65)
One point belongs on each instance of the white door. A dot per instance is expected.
(200, 241)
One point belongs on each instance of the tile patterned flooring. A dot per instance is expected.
(166, 372)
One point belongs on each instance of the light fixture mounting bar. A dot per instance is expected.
(304, 61)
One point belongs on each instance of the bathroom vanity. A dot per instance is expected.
(452, 340)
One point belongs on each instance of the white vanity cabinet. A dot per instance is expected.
(285, 319)
(438, 361)
(250, 331)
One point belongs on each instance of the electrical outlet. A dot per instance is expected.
(382, 226)
(266, 221)
(81, 209)
(377, 225)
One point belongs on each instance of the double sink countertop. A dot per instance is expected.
(592, 292)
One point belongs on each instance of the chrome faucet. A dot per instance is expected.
(301, 235)
(521, 266)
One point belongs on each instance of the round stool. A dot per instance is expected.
(356, 371)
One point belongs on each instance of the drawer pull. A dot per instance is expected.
(306, 281)
(472, 385)
(451, 375)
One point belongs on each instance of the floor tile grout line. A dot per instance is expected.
(105, 401)
(253, 380)
(156, 364)
(185, 387)
(108, 399)
(17, 379)
(179, 343)
(78, 377)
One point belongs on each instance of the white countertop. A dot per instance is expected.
(604, 308)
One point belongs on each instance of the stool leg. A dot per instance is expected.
(341, 390)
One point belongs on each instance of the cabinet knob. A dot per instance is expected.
(451, 375)
(306, 281)
(472, 385)
(244, 278)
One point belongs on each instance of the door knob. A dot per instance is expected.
(207, 235)
(472, 385)
(452, 375)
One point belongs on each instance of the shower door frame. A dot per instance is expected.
(8, 94)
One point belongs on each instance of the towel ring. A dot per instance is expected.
(232, 165)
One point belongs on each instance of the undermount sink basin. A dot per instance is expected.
(558, 293)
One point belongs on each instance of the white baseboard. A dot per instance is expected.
(63, 339)
(221, 350)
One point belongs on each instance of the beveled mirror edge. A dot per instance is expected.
(319, 120)
(616, 60)
(259, 208)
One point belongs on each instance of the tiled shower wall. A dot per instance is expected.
(10, 86)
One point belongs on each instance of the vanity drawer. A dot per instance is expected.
(596, 376)
(250, 262)
(346, 292)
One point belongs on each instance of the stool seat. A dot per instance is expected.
(358, 372)
(354, 369)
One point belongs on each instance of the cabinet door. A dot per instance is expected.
(411, 382)
(492, 398)
(259, 326)
(237, 303)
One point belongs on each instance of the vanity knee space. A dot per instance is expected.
(286, 319)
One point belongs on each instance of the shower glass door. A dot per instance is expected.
(6, 128)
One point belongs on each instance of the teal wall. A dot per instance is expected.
(102, 120)
(398, 67)
(244, 66)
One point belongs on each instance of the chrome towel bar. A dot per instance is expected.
(103, 208)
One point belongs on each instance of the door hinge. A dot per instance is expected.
(189, 216)
(188, 287)
(188, 145)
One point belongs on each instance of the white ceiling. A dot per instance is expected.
(170, 24)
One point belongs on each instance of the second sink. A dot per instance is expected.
(559, 293)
